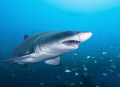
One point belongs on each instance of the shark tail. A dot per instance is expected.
(8, 61)
(12, 61)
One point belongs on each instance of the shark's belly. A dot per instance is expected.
(34, 58)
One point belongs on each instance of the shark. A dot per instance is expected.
(47, 47)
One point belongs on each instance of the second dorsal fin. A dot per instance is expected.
(25, 37)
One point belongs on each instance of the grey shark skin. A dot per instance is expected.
(47, 46)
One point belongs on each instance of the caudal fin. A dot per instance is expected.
(12, 61)
(8, 61)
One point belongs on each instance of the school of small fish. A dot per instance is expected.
(78, 71)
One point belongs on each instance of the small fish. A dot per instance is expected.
(97, 86)
(81, 83)
(84, 67)
(72, 83)
(41, 83)
(118, 56)
(113, 66)
(75, 68)
(104, 74)
(95, 61)
(5, 67)
(111, 70)
(104, 52)
(88, 57)
(29, 77)
(76, 74)
(85, 74)
(119, 75)
(111, 47)
(110, 60)
(75, 54)
(59, 77)
(13, 75)
(68, 70)
(66, 82)
(40, 77)
(74, 63)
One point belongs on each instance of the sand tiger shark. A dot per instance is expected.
(47, 46)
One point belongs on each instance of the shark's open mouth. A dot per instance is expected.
(72, 43)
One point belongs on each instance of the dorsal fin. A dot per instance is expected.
(25, 37)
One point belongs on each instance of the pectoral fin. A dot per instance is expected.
(23, 64)
(55, 61)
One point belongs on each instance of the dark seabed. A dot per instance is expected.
(95, 64)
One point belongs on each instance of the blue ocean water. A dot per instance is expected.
(95, 64)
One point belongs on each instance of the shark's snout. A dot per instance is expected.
(84, 36)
